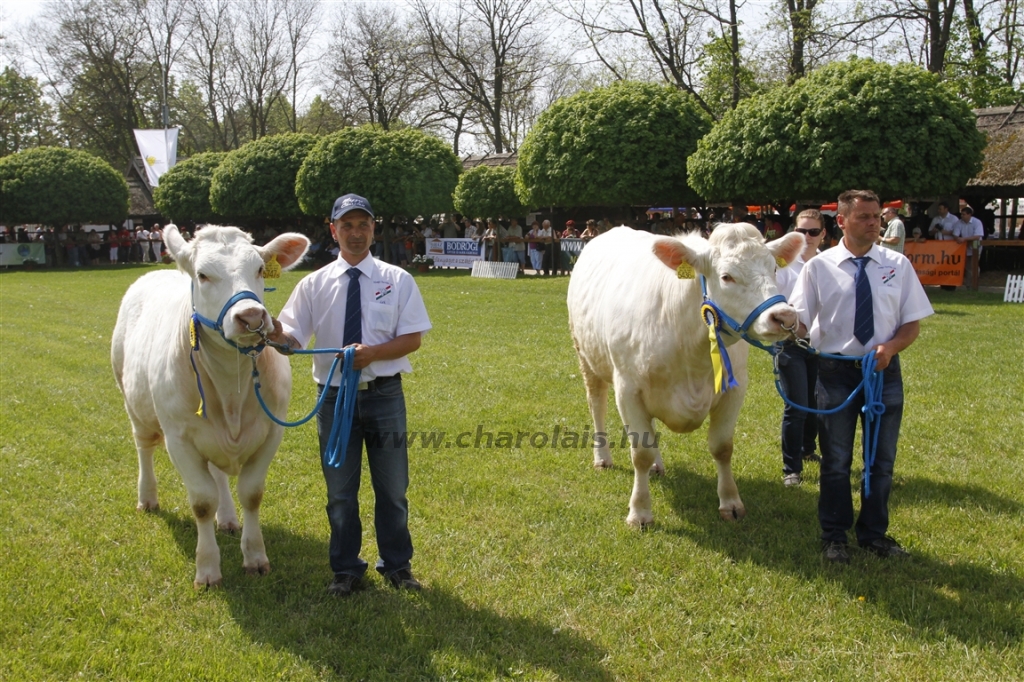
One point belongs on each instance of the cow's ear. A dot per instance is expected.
(289, 248)
(176, 246)
(677, 256)
(787, 248)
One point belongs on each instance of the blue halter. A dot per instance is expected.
(736, 328)
(218, 326)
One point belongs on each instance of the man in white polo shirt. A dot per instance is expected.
(854, 298)
(388, 324)
(969, 230)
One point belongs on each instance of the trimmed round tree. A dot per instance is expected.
(855, 124)
(488, 191)
(618, 145)
(56, 186)
(184, 191)
(402, 172)
(257, 180)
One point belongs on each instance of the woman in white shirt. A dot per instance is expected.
(798, 369)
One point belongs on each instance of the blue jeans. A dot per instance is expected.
(836, 380)
(798, 374)
(379, 421)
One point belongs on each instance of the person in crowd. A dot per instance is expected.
(916, 236)
(798, 367)
(95, 245)
(363, 303)
(942, 224)
(469, 229)
(156, 243)
(570, 230)
(589, 231)
(854, 298)
(450, 229)
(399, 237)
(895, 235)
(491, 240)
(546, 237)
(536, 247)
(515, 248)
(969, 230)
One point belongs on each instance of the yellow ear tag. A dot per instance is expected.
(685, 271)
(272, 269)
(781, 262)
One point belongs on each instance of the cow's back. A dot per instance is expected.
(628, 310)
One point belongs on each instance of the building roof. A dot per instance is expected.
(1002, 171)
(494, 160)
(140, 194)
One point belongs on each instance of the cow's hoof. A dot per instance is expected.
(148, 506)
(658, 469)
(261, 568)
(230, 527)
(732, 513)
(640, 520)
(602, 464)
(209, 582)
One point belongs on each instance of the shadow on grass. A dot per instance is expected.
(379, 633)
(931, 594)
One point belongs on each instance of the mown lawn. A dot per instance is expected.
(529, 569)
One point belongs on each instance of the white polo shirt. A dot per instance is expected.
(825, 298)
(972, 228)
(391, 306)
(945, 225)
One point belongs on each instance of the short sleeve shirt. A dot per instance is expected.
(825, 298)
(391, 306)
(895, 229)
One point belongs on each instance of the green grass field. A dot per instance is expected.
(530, 571)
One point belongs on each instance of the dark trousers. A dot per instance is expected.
(379, 422)
(836, 380)
(798, 374)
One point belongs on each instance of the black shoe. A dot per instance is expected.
(812, 457)
(835, 552)
(345, 584)
(885, 547)
(402, 580)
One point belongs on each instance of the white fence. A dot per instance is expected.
(1014, 292)
(491, 270)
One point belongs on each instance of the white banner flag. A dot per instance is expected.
(159, 149)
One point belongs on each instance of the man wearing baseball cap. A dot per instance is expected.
(375, 307)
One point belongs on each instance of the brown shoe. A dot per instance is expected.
(402, 580)
(345, 584)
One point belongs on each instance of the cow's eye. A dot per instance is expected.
(203, 278)
(260, 273)
(728, 278)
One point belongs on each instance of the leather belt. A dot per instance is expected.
(378, 382)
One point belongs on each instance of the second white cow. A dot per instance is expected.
(638, 327)
(152, 355)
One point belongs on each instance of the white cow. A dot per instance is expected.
(150, 354)
(638, 327)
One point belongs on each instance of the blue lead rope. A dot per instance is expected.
(873, 408)
(344, 406)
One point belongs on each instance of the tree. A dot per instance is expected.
(373, 65)
(488, 191)
(56, 187)
(489, 52)
(26, 120)
(261, 60)
(402, 172)
(619, 145)
(258, 179)
(184, 191)
(892, 129)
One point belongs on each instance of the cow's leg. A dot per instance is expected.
(145, 445)
(227, 519)
(597, 399)
(643, 451)
(251, 483)
(203, 498)
(721, 428)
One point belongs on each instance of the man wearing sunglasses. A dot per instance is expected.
(895, 233)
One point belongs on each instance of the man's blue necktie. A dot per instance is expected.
(864, 316)
(353, 311)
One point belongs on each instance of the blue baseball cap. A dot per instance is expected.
(350, 202)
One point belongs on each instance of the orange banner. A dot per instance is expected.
(937, 262)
